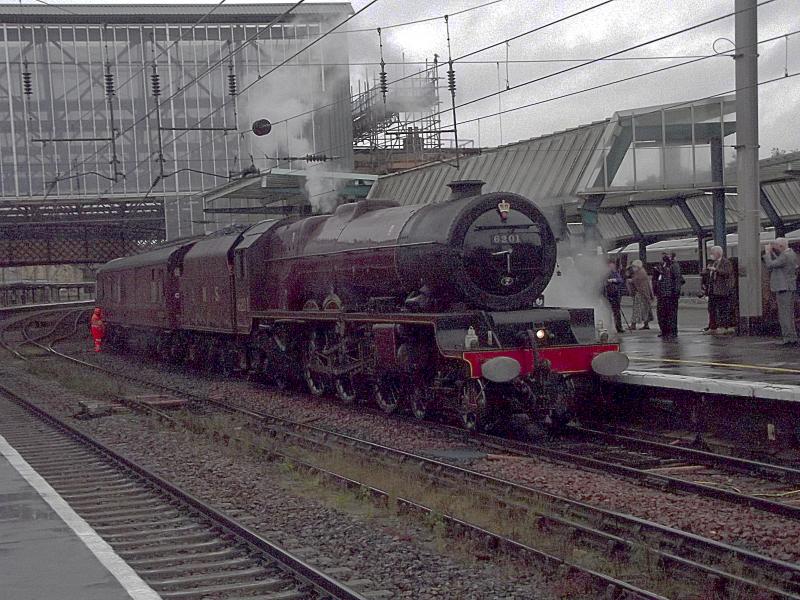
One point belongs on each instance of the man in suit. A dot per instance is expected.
(782, 264)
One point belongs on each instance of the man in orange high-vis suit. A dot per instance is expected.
(98, 328)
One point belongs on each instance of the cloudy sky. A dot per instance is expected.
(601, 31)
(609, 28)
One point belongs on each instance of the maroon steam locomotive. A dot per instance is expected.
(430, 307)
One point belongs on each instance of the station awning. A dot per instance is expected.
(660, 215)
(281, 191)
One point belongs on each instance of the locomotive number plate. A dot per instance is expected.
(506, 238)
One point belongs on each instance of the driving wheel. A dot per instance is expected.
(314, 379)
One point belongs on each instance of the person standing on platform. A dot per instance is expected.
(614, 288)
(642, 291)
(782, 264)
(98, 328)
(705, 286)
(668, 289)
(720, 291)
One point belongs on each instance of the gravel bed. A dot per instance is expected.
(394, 554)
(295, 405)
(742, 526)
(738, 525)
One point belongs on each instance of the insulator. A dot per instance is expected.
(27, 84)
(316, 158)
(109, 79)
(232, 84)
(383, 85)
(451, 80)
(155, 82)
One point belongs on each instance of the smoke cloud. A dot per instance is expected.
(302, 86)
(580, 283)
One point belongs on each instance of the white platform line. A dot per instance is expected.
(136, 588)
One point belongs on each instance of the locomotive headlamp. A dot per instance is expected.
(503, 207)
(541, 334)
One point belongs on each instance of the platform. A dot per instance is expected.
(729, 365)
(47, 550)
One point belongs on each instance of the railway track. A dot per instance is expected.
(180, 546)
(47, 320)
(707, 565)
(768, 487)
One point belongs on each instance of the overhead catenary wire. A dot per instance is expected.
(250, 39)
(588, 62)
(425, 19)
(103, 100)
(671, 106)
(694, 59)
(197, 78)
(654, 40)
(398, 63)
(161, 53)
(458, 59)
(585, 63)
(626, 79)
(782, 77)
(630, 78)
(263, 75)
(562, 71)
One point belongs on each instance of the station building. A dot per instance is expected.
(79, 87)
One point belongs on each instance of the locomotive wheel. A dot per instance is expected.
(346, 389)
(562, 394)
(420, 403)
(473, 404)
(388, 395)
(315, 381)
(277, 370)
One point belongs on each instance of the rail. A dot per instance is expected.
(783, 578)
(322, 583)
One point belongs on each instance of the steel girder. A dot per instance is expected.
(77, 232)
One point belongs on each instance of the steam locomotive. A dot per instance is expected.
(430, 307)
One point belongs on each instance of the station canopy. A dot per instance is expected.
(648, 173)
(280, 191)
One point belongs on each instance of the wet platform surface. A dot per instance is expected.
(42, 556)
(727, 364)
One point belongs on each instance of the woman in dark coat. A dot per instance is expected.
(668, 289)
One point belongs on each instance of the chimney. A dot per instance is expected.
(465, 188)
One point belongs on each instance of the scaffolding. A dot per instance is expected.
(402, 122)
